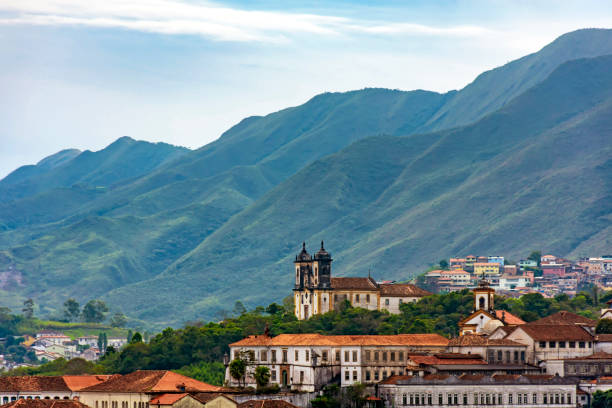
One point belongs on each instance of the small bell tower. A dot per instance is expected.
(484, 297)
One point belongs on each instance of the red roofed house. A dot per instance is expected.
(307, 362)
(317, 292)
(46, 387)
(135, 390)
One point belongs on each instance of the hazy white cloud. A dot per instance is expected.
(205, 19)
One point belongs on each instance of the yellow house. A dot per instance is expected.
(486, 268)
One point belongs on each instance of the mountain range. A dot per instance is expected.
(392, 180)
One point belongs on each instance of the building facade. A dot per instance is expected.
(479, 390)
(307, 362)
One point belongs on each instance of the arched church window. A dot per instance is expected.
(481, 303)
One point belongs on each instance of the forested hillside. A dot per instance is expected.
(168, 235)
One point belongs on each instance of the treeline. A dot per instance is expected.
(197, 350)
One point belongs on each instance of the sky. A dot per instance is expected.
(82, 73)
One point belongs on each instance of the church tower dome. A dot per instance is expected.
(303, 256)
(322, 253)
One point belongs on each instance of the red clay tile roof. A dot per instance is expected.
(595, 356)
(565, 318)
(555, 332)
(435, 360)
(78, 382)
(603, 337)
(44, 403)
(266, 404)
(401, 289)
(508, 318)
(313, 339)
(205, 397)
(167, 399)
(477, 340)
(354, 283)
(153, 381)
(395, 378)
(33, 383)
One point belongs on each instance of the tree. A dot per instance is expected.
(102, 342)
(354, 395)
(237, 369)
(602, 399)
(239, 308)
(129, 336)
(262, 376)
(274, 308)
(443, 264)
(28, 308)
(72, 310)
(535, 256)
(136, 338)
(95, 311)
(118, 320)
(604, 326)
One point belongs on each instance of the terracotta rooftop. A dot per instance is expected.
(401, 289)
(477, 340)
(205, 397)
(439, 360)
(313, 339)
(555, 332)
(50, 383)
(469, 379)
(603, 337)
(354, 283)
(78, 382)
(44, 403)
(508, 318)
(153, 381)
(595, 356)
(266, 404)
(565, 318)
(167, 399)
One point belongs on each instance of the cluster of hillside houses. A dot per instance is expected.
(50, 345)
(558, 275)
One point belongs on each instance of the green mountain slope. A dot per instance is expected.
(506, 184)
(493, 89)
(137, 221)
(61, 183)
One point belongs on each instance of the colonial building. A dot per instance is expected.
(317, 292)
(478, 390)
(485, 319)
(307, 362)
